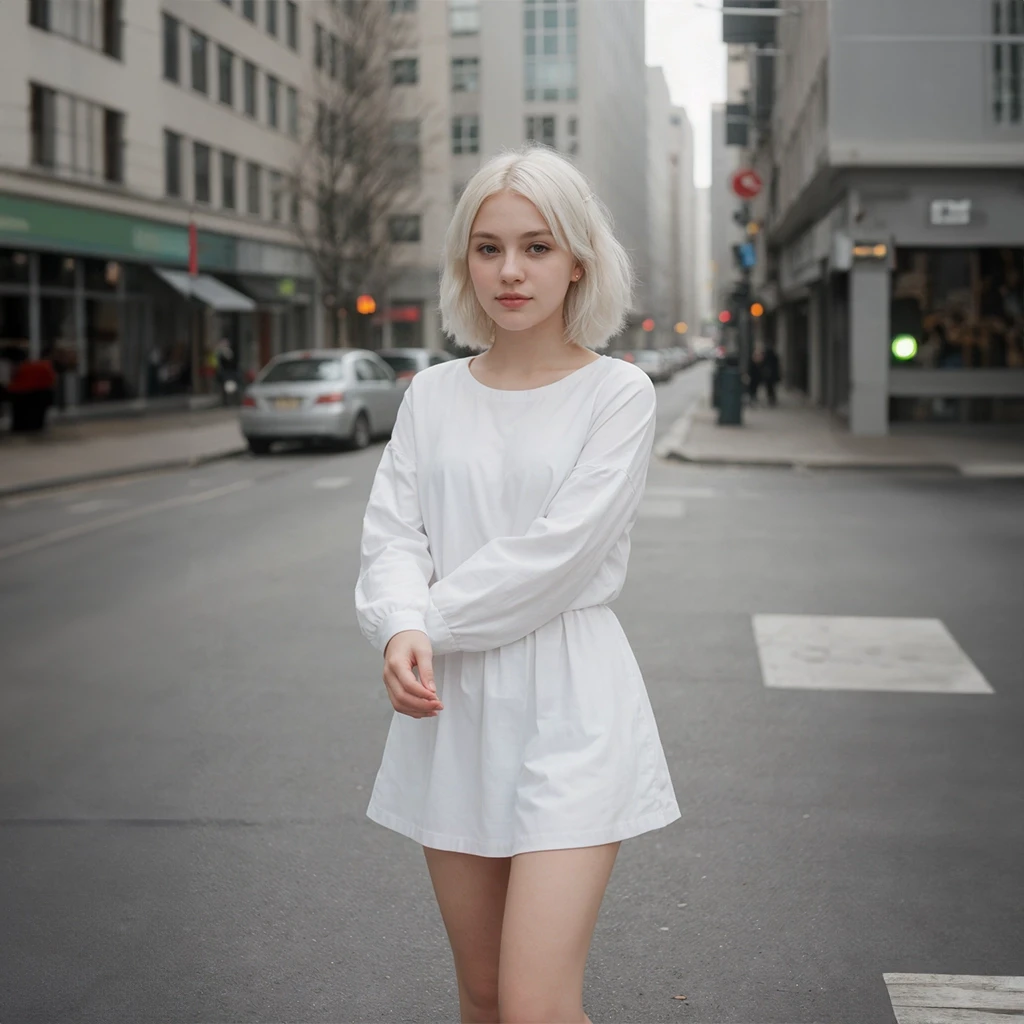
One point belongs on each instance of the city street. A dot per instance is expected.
(191, 723)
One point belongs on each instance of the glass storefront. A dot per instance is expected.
(958, 309)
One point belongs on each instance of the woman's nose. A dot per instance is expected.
(510, 269)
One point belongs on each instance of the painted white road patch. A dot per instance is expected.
(955, 998)
(661, 508)
(86, 508)
(826, 652)
(332, 483)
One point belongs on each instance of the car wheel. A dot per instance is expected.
(259, 446)
(361, 436)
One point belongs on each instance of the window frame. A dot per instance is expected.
(228, 160)
(171, 47)
(172, 164)
(228, 98)
(397, 77)
(196, 36)
(197, 148)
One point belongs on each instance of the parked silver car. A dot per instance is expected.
(329, 395)
(407, 362)
(652, 361)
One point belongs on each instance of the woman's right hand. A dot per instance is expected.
(409, 695)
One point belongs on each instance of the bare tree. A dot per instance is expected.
(359, 159)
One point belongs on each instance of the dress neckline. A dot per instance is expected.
(521, 393)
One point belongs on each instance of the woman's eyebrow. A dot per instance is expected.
(528, 234)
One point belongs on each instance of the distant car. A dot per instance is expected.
(407, 362)
(652, 361)
(336, 396)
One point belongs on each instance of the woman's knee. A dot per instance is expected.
(527, 1007)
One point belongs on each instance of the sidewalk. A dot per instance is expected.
(796, 433)
(70, 453)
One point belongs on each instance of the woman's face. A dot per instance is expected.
(519, 273)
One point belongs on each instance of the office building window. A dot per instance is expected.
(291, 21)
(198, 46)
(44, 126)
(1008, 62)
(271, 17)
(403, 6)
(72, 135)
(466, 134)
(318, 46)
(172, 54)
(405, 71)
(252, 189)
(405, 135)
(172, 164)
(228, 173)
(249, 88)
(97, 24)
(113, 146)
(465, 74)
(201, 172)
(249, 10)
(404, 228)
(275, 195)
(294, 203)
(333, 55)
(571, 129)
(293, 111)
(463, 17)
(225, 76)
(541, 129)
(273, 89)
(549, 48)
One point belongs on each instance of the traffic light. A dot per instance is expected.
(724, 317)
(366, 304)
(756, 309)
(648, 324)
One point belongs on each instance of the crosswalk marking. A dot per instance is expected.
(955, 998)
(825, 652)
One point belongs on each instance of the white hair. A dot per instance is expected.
(595, 306)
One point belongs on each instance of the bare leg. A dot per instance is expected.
(551, 908)
(470, 893)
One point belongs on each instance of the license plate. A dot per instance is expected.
(287, 403)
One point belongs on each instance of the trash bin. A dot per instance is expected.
(716, 380)
(730, 397)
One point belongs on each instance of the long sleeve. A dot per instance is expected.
(395, 564)
(514, 585)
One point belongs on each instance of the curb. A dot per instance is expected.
(55, 483)
(806, 464)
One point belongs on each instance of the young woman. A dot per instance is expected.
(523, 748)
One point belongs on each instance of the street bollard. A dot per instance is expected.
(730, 397)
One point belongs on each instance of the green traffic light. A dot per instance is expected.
(904, 347)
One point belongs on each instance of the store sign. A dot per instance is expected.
(950, 212)
(75, 229)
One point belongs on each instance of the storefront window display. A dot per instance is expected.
(958, 309)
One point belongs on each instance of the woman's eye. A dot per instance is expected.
(485, 247)
(539, 245)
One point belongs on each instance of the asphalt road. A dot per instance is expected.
(190, 725)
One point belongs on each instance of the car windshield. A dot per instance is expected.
(290, 371)
(401, 364)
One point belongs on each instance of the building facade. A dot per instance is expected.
(891, 140)
(123, 124)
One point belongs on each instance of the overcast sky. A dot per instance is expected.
(686, 40)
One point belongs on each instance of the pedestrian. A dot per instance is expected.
(523, 748)
(771, 372)
(754, 368)
(31, 392)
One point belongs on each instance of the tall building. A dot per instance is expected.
(122, 122)
(702, 259)
(685, 266)
(893, 214)
(125, 122)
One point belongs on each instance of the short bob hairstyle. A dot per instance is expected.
(595, 306)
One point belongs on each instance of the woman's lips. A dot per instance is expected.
(513, 303)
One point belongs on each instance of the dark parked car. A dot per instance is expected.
(407, 362)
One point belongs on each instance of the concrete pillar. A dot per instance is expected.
(869, 348)
(814, 345)
(782, 339)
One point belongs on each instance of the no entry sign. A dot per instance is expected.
(746, 183)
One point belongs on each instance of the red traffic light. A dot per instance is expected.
(725, 316)
(648, 324)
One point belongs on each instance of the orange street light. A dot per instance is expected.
(366, 304)
(756, 309)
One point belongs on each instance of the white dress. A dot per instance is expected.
(498, 523)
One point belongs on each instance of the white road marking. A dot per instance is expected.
(955, 998)
(825, 652)
(675, 437)
(70, 532)
(332, 483)
(86, 508)
(661, 508)
(993, 469)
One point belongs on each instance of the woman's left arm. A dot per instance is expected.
(514, 585)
